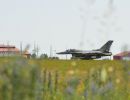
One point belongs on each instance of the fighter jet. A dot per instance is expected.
(92, 54)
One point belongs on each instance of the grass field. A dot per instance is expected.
(22, 79)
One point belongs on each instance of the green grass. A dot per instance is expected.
(23, 79)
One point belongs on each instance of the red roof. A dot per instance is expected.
(8, 48)
(125, 53)
(11, 48)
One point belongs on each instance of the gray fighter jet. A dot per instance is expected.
(92, 54)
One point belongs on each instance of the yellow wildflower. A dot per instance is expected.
(103, 75)
(80, 87)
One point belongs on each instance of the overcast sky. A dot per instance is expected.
(64, 24)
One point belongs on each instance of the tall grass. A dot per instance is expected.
(22, 79)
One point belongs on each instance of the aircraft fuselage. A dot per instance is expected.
(92, 54)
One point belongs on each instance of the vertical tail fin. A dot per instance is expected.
(106, 47)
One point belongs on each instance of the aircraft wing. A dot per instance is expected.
(88, 53)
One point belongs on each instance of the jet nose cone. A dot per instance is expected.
(60, 53)
(64, 52)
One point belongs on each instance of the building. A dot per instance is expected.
(8, 50)
(11, 50)
(122, 56)
(26, 54)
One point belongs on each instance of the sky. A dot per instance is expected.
(65, 24)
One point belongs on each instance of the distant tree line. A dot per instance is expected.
(42, 56)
